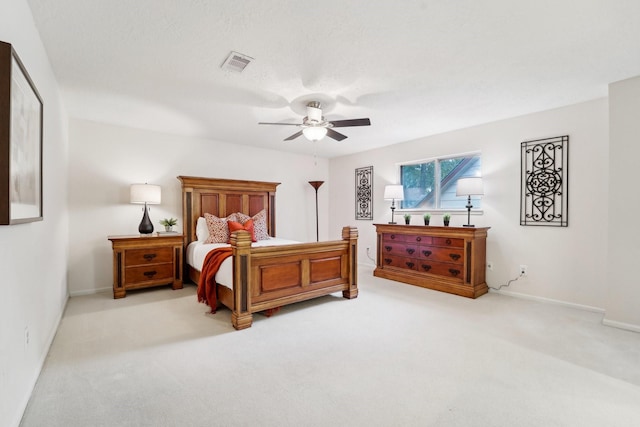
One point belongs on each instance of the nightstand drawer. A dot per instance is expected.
(156, 255)
(148, 273)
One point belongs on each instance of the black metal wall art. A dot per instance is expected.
(544, 182)
(364, 191)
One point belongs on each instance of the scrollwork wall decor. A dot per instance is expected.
(364, 191)
(544, 182)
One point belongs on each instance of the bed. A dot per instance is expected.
(265, 277)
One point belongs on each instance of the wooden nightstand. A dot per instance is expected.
(142, 262)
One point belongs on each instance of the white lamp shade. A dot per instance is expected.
(145, 193)
(470, 187)
(394, 192)
(314, 133)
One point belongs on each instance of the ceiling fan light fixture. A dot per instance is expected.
(314, 133)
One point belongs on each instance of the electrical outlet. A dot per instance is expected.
(489, 265)
(523, 270)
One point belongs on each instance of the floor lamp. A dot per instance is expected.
(316, 185)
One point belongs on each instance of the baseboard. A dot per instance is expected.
(621, 325)
(89, 291)
(550, 301)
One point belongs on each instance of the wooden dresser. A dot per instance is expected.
(448, 259)
(142, 262)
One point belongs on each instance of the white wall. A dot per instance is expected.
(624, 151)
(33, 256)
(106, 159)
(565, 264)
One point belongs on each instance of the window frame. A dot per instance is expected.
(437, 189)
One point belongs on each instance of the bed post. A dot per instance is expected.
(351, 234)
(241, 317)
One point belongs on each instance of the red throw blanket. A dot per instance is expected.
(207, 286)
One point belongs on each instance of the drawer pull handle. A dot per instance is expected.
(150, 274)
(448, 241)
(454, 272)
(426, 253)
(419, 239)
(393, 236)
(426, 267)
(387, 260)
(410, 264)
(387, 248)
(454, 257)
(149, 257)
(410, 251)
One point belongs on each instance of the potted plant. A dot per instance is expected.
(427, 218)
(407, 218)
(168, 223)
(446, 218)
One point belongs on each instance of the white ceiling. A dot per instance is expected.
(415, 68)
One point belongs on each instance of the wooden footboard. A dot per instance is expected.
(273, 276)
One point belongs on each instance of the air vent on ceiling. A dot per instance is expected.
(236, 62)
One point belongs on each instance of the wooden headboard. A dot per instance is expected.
(222, 197)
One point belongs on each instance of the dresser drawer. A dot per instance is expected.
(451, 271)
(399, 248)
(446, 241)
(406, 238)
(144, 256)
(394, 237)
(435, 253)
(400, 262)
(148, 273)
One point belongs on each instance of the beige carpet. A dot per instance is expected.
(398, 355)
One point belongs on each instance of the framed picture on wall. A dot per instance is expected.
(20, 142)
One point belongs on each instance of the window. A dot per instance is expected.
(431, 184)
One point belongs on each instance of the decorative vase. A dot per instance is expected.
(446, 223)
(426, 222)
(407, 221)
(168, 228)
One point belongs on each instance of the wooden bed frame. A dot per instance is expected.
(269, 277)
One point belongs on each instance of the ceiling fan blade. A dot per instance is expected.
(294, 136)
(352, 122)
(284, 124)
(335, 135)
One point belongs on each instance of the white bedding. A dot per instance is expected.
(197, 251)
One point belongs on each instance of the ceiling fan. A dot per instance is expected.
(315, 127)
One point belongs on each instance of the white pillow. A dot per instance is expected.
(202, 231)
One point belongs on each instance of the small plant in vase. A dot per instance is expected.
(427, 218)
(407, 219)
(445, 219)
(168, 223)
